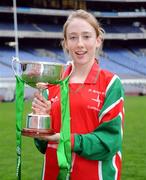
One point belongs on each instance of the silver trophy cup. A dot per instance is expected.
(32, 73)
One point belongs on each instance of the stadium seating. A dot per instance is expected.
(117, 68)
(127, 59)
(116, 61)
(5, 71)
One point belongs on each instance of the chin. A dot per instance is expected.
(80, 62)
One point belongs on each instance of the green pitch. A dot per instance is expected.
(134, 144)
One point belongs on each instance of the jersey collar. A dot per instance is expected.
(92, 76)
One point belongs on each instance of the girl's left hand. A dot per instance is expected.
(52, 138)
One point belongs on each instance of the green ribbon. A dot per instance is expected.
(19, 116)
(64, 147)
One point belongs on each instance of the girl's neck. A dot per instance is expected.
(80, 73)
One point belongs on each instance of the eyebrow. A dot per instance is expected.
(84, 32)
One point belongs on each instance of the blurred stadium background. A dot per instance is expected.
(39, 35)
(40, 32)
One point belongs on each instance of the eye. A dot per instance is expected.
(73, 37)
(86, 37)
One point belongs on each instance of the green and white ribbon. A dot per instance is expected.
(19, 116)
(64, 147)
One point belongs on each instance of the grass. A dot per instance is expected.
(134, 143)
(31, 159)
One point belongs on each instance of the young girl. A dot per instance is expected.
(96, 107)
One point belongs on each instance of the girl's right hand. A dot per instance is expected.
(40, 105)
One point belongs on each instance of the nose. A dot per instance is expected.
(80, 42)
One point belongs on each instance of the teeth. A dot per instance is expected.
(80, 53)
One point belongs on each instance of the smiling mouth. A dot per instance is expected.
(81, 53)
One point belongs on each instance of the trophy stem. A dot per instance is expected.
(43, 89)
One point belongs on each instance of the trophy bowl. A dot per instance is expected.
(31, 73)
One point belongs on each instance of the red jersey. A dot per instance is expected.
(96, 119)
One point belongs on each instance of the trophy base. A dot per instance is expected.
(36, 132)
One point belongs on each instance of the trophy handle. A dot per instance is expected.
(15, 62)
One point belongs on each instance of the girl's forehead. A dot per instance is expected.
(79, 25)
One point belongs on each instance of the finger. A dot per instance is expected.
(38, 102)
(40, 110)
(38, 96)
(36, 110)
(54, 138)
(41, 99)
(45, 108)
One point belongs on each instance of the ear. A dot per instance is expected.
(98, 41)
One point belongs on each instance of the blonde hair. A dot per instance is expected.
(82, 14)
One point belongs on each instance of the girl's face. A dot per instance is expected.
(81, 41)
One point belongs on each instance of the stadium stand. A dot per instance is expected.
(40, 32)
